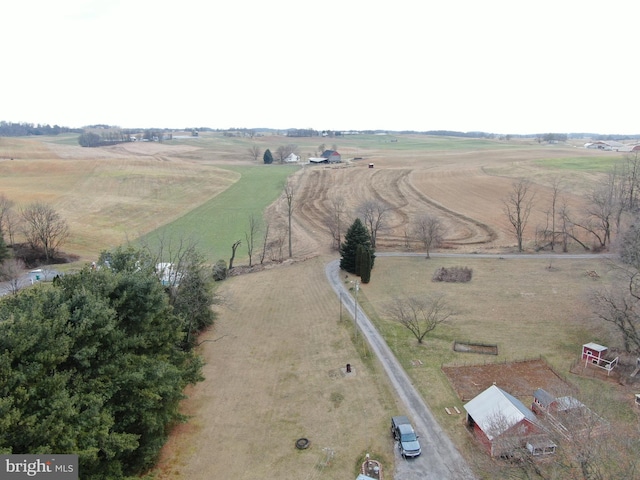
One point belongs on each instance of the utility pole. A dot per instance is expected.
(355, 315)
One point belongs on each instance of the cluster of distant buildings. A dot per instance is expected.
(328, 156)
(612, 145)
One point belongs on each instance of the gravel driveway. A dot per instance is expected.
(440, 459)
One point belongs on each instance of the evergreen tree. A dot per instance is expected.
(193, 303)
(92, 366)
(356, 235)
(267, 157)
(365, 265)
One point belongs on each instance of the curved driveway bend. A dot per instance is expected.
(440, 460)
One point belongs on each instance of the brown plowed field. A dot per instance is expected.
(318, 186)
(520, 379)
(466, 190)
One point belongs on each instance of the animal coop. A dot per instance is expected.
(594, 354)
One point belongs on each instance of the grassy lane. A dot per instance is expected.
(224, 219)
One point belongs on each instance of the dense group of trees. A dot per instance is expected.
(103, 135)
(12, 129)
(96, 363)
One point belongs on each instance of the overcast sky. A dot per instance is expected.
(511, 66)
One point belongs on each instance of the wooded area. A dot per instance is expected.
(95, 364)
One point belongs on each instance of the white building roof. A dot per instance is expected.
(495, 411)
(595, 346)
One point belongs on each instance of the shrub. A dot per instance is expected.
(453, 274)
(220, 270)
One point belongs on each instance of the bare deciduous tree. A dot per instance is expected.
(234, 247)
(289, 194)
(254, 152)
(566, 227)
(374, 215)
(251, 234)
(619, 305)
(171, 258)
(429, 231)
(284, 151)
(10, 271)
(604, 210)
(631, 173)
(517, 207)
(5, 207)
(334, 220)
(276, 245)
(44, 228)
(265, 243)
(11, 224)
(621, 309)
(420, 315)
(549, 234)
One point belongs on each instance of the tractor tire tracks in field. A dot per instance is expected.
(318, 187)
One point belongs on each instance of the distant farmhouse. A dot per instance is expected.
(292, 158)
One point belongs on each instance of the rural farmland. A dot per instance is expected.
(275, 357)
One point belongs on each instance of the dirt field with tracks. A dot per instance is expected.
(520, 379)
(466, 190)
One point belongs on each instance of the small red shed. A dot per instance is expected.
(593, 352)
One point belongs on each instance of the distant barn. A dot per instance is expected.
(332, 156)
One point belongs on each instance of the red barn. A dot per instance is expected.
(501, 422)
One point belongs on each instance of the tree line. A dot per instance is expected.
(95, 363)
(12, 129)
(611, 203)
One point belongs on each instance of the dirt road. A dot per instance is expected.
(440, 459)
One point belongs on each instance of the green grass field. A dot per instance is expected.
(224, 219)
(581, 164)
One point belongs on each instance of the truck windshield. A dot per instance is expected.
(408, 437)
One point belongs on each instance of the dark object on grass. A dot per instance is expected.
(302, 443)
